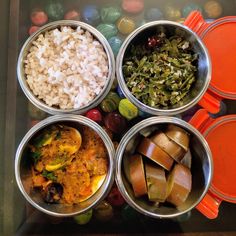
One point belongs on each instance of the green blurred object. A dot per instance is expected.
(104, 211)
(115, 43)
(110, 102)
(108, 30)
(128, 109)
(83, 219)
(55, 10)
(110, 14)
(190, 7)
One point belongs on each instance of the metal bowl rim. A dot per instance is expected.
(126, 91)
(65, 118)
(50, 26)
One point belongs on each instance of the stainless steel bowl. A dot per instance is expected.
(171, 28)
(201, 167)
(23, 169)
(41, 104)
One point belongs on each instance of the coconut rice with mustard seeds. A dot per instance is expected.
(66, 67)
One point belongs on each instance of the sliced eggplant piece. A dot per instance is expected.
(169, 146)
(156, 183)
(155, 153)
(178, 135)
(179, 185)
(137, 175)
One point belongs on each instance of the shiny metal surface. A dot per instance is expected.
(23, 170)
(203, 73)
(39, 103)
(201, 167)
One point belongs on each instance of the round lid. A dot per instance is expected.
(221, 139)
(219, 38)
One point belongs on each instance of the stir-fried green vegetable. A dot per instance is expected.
(162, 75)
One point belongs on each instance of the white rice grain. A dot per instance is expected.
(66, 68)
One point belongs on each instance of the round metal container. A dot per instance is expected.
(23, 168)
(41, 104)
(203, 73)
(201, 166)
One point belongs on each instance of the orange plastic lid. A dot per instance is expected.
(219, 38)
(221, 135)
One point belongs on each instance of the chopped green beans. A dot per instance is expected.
(162, 75)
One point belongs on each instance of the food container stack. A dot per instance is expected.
(163, 165)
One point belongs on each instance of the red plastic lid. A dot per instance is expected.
(219, 38)
(221, 135)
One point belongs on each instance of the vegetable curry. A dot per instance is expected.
(68, 166)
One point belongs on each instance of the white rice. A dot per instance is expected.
(66, 68)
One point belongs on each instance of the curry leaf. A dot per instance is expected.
(49, 175)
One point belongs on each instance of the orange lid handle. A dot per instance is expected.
(201, 120)
(196, 22)
(209, 206)
(212, 104)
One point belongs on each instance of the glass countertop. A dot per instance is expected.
(17, 217)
